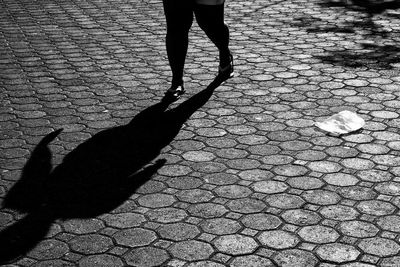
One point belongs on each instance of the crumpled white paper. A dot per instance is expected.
(342, 123)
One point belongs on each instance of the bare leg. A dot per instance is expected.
(211, 20)
(179, 16)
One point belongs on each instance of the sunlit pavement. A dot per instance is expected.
(248, 179)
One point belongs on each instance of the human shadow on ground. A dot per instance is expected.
(96, 177)
(376, 48)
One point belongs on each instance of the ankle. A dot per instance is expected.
(176, 83)
(225, 59)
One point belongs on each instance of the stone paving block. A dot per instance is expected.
(318, 234)
(301, 217)
(191, 250)
(295, 257)
(235, 244)
(91, 244)
(134, 237)
(101, 260)
(49, 249)
(178, 231)
(278, 239)
(247, 171)
(220, 226)
(251, 260)
(337, 252)
(146, 256)
(124, 220)
(339, 212)
(379, 246)
(261, 221)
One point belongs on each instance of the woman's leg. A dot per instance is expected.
(211, 20)
(179, 17)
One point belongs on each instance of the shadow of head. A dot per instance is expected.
(96, 177)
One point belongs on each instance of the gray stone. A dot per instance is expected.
(191, 250)
(91, 244)
(295, 258)
(235, 244)
(220, 226)
(134, 237)
(178, 231)
(146, 257)
(338, 252)
(278, 239)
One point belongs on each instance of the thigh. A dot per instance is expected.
(178, 13)
(209, 2)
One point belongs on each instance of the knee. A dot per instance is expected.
(178, 30)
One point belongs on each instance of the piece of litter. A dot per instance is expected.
(342, 123)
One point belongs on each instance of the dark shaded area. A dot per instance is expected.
(379, 56)
(96, 177)
(370, 7)
(377, 51)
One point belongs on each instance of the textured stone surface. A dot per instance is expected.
(318, 234)
(261, 221)
(278, 239)
(301, 217)
(379, 246)
(178, 231)
(220, 226)
(295, 257)
(49, 249)
(91, 244)
(124, 220)
(101, 260)
(146, 256)
(234, 176)
(338, 252)
(358, 229)
(191, 250)
(236, 244)
(251, 260)
(135, 237)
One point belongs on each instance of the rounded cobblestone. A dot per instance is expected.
(135, 237)
(220, 226)
(379, 246)
(251, 260)
(358, 229)
(337, 252)
(146, 257)
(178, 231)
(318, 234)
(285, 201)
(295, 258)
(321, 197)
(101, 260)
(191, 250)
(339, 212)
(91, 244)
(376, 207)
(49, 249)
(261, 221)
(236, 175)
(235, 244)
(195, 196)
(278, 239)
(124, 220)
(301, 217)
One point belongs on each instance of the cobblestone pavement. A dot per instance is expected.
(236, 176)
